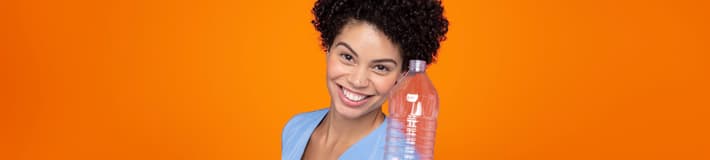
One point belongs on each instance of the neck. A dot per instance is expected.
(339, 127)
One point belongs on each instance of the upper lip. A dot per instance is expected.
(350, 90)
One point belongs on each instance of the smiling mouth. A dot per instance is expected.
(352, 96)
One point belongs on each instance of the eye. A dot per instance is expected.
(346, 57)
(381, 68)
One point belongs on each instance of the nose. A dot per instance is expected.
(359, 78)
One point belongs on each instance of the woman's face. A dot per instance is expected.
(362, 66)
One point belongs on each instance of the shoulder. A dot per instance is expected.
(300, 122)
(304, 119)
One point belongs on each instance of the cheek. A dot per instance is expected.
(334, 68)
(384, 84)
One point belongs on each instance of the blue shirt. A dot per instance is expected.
(298, 130)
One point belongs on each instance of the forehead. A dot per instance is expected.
(367, 40)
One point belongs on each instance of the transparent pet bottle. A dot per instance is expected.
(413, 111)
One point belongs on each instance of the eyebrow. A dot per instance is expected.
(384, 60)
(355, 53)
(346, 46)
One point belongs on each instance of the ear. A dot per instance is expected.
(327, 51)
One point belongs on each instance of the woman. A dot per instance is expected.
(368, 44)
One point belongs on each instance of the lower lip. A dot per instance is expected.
(349, 102)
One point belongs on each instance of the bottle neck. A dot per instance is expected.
(417, 66)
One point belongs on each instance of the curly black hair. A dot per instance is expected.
(416, 26)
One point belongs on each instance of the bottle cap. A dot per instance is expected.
(417, 65)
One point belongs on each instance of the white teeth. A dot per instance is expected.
(352, 96)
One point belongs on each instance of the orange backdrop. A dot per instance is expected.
(218, 79)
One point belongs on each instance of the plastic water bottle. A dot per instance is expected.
(413, 110)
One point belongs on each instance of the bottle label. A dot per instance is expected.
(412, 97)
(411, 130)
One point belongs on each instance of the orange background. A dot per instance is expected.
(218, 79)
